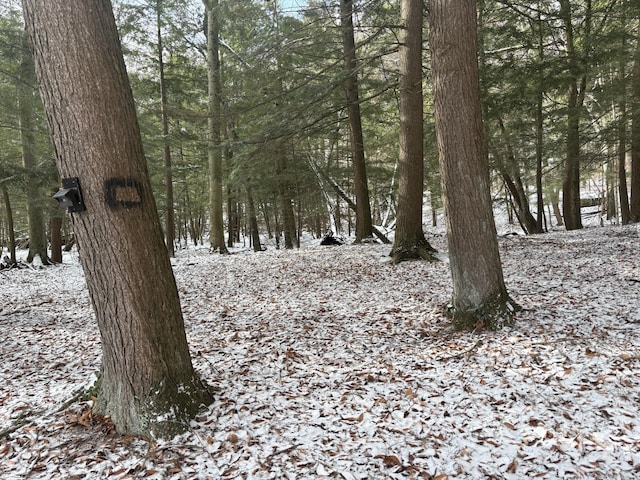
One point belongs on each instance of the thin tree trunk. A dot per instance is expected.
(216, 220)
(577, 91)
(480, 297)
(26, 99)
(55, 233)
(170, 226)
(634, 207)
(622, 148)
(510, 172)
(148, 385)
(363, 207)
(540, 126)
(555, 203)
(527, 220)
(286, 202)
(10, 226)
(253, 221)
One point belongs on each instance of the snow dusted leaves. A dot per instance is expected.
(330, 362)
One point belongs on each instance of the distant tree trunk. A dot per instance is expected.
(148, 385)
(480, 297)
(516, 189)
(55, 233)
(363, 210)
(26, 99)
(510, 171)
(555, 203)
(216, 220)
(233, 220)
(622, 148)
(410, 241)
(10, 226)
(170, 226)
(286, 202)
(577, 90)
(540, 125)
(253, 221)
(634, 207)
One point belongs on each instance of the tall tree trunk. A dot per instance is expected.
(363, 206)
(26, 99)
(634, 207)
(575, 101)
(571, 181)
(216, 220)
(148, 385)
(555, 204)
(55, 234)
(253, 221)
(10, 226)
(540, 124)
(622, 147)
(480, 297)
(286, 202)
(170, 226)
(410, 241)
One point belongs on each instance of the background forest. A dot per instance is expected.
(561, 100)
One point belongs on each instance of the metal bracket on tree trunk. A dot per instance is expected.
(70, 196)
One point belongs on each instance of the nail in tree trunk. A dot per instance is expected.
(148, 385)
(480, 297)
(410, 241)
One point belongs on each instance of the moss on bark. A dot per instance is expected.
(494, 314)
(164, 412)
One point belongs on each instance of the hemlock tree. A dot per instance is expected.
(170, 226)
(216, 220)
(409, 240)
(148, 385)
(364, 225)
(480, 297)
(26, 112)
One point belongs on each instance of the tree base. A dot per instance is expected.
(492, 315)
(164, 413)
(421, 249)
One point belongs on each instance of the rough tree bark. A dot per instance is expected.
(148, 385)
(575, 102)
(361, 188)
(409, 241)
(480, 297)
(216, 220)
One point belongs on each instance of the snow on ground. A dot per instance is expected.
(329, 362)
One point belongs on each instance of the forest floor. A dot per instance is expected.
(330, 362)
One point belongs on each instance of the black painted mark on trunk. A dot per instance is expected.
(123, 193)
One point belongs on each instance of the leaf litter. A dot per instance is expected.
(330, 362)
